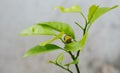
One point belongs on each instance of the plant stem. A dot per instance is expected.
(77, 54)
(74, 58)
(84, 17)
(79, 26)
(84, 31)
(86, 25)
(77, 68)
(63, 67)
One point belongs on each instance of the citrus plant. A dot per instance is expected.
(64, 32)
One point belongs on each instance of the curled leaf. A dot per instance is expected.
(75, 46)
(53, 39)
(74, 8)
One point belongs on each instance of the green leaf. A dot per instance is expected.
(52, 62)
(38, 30)
(41, 49)
(60, 58)
(75, 46)
(74, 8)
(95, 12)
(59, 26)
(83, 41)
(74, 62)
(53, 39)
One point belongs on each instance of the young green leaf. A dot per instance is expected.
(60, 58)
(74, 8)
(52, 62)
(41, 49)
(95, 12)
(53, 39)
(74, 62)
(83, 41)
(72, 46)
(38, 30)
(75, 46)
(59, 26)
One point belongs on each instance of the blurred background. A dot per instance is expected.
(102, 50)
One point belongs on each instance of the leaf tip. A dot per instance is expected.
(25, 55)
(115, 6)
(59, 7)
(22, 34)
(50, 61)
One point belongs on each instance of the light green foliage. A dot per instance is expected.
(75, 46)
(38, 30)
(73, 62)
(60, 58)
(74, 8)
(60, 26)
(59, 29)
(41, 49)
(51, 62)
(95, 12)
(83, 41)
(53, 39)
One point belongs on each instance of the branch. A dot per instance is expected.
(76, 65)
(67, 69)
(79, 25)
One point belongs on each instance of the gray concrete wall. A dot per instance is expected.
(103, 44)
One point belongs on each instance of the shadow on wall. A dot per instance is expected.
(97, 66)
(117, 62)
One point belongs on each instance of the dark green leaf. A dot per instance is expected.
(95, 12)
(38, 30)
(41, 49)
(75, 46)
(59, 26)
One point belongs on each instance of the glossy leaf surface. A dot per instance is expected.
(41, 49)
(61, 27)
(95, 12)
(75, 46)
(38, 30)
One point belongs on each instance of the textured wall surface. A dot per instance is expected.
(102, 50)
